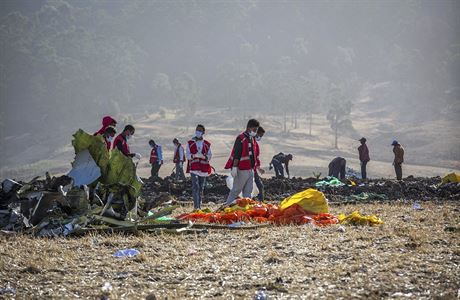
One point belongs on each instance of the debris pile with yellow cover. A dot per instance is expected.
(307, 207)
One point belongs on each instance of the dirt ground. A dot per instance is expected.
(415, 254)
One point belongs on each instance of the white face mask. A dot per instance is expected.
(252, 133)
(198, 134)
(109, 139)
(128, 137)
(258, 138)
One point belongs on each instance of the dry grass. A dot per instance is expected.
(411, 255)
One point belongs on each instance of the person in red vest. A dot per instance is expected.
(106, 122)
(108, 135)
(198, 154)
(156, 158)
(258, 169)
(243, 162)
(179, 158)
(121, 142)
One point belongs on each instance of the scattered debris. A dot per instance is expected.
(126, 253)
(355, 218)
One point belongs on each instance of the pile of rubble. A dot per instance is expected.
(411, 188)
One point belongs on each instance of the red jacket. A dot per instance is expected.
(245, 160)
(199, 164)
(124, 145)
(106, 122)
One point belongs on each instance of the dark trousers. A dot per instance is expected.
(278, 166)
(180, 171)
(398, 171)
(260, 186)
(155, 169)
(363, 169)
(198, 184)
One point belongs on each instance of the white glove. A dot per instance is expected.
(137, 155)
(234, 172)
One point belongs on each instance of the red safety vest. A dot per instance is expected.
(245, 160)
(154, 155)
(199, 164)
(177, 155)
(125, 147)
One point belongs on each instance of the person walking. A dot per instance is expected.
(242, 162)
(198, 155)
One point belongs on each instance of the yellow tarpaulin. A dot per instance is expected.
(452, 177)
(310, 200)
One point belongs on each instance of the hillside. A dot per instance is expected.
(429, 148)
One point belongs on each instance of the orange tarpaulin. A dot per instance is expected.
(249, 210)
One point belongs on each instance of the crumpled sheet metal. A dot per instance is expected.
(84, 169)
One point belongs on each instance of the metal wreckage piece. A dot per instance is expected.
(100, 192)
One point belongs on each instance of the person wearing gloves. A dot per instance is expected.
(121, 142)
(156, 158)
(198, 155)
(108, 136)
(242, 162)
(258, 169)
(106, 122)
(179, 158)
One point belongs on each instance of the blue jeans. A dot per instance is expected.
(180, 171)
(198, 183)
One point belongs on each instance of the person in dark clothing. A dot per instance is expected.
(277, 163)
(258, 169)
(121, 142)
(363, 157)
(398, 151)
(337, 167)
(179, 158)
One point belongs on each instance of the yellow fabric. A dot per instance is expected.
(355, 218)
(452, 177)
(310, 200)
